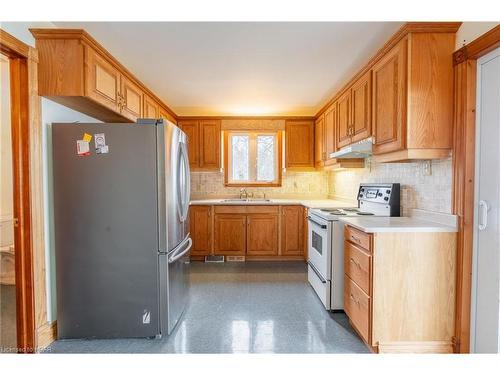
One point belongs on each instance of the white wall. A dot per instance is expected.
(6, 200)
(469, 31)
(51, 112)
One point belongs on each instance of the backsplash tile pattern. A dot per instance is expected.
(431, 193)
(295, 185)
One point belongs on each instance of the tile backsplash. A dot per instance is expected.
(294, 184)
(418, 190)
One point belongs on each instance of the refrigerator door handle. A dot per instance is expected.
(180, 253)
(187, 183)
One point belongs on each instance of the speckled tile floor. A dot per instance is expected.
(243, 308)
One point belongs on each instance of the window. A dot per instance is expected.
(252, 158)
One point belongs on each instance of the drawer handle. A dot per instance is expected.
(356, 263)
(355, 239)
(354, 299)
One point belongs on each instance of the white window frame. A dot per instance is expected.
(252, 158)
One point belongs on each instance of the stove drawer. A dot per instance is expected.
(358, 238)
(357, 308)
(357, 265)
(320, 285)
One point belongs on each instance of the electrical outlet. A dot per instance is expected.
(426, 168)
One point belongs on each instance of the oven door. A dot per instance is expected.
(319, 245)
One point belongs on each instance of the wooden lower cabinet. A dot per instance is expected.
(399, 289)
(200, 222)
(262, 234)
(230, 234)
(292, 230)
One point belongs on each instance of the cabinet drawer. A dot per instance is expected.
(357, 265)
(358, 237)
(262, 209)
(230, 209)
(357, 308)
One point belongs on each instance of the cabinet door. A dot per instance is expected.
(344, 119)
(230, 234)
(330, 124)
(319, 137)
(102, 80)
(200, 221)
(361, 101)
(209, 144)
(299, 149)
(389, 106)
(151, 107)
(132, 97)
(292, 224)
(191, 129)
(262, 234)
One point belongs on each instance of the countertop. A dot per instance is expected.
(419, 221)
(309, 203)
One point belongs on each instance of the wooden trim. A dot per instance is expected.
(407, 28)
(255, 184)
(12, 47)
(22, 64)
(412, 154)
(464, 157)
(420, 347)
(46, 334)
(86, 38)
(478, 47)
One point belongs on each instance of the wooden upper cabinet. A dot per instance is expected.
(361, 100)
(319, 140)
(151, 107)
(292, 233)
(330, 132)
(262, 234)
(210, 134)
(102, 80)
(131, 96)
(230, 234)
(200, 221)
(165, 114)
(192, 132)
(389, 94)
(344, 120)
(299, 149)
(77, 72)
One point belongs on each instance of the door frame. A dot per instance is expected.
(24, 110)
(464, 159)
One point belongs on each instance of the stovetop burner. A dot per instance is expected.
(363, 213)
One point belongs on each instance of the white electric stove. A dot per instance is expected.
(326, 239)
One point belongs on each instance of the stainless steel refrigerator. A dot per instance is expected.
(121, 199)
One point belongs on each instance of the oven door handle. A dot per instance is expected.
(321, 278)
(322, 226)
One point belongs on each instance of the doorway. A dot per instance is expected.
(486, 252)
(8, 335)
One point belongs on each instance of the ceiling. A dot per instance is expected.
(241, 68)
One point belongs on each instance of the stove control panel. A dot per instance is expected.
(383, 194)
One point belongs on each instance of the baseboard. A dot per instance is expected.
(420, 347)
(45, 335)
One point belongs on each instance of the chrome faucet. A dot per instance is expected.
(243, 193)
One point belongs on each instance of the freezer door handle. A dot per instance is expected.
(181, 251)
